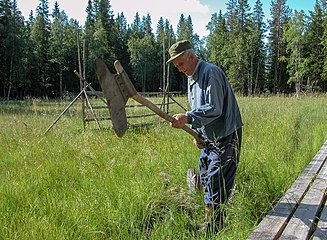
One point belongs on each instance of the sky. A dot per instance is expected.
(199, 10)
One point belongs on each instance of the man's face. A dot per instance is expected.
(185, 64)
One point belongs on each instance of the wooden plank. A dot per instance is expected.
(95, 93)
(276, 220)
(321, 231)
(128, 117)
(302, 221)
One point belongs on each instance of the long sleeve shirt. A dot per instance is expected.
(214, 109)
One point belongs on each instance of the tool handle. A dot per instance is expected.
(145, 102)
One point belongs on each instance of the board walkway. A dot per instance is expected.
(302, 212)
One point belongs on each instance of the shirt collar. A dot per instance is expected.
(195, 75)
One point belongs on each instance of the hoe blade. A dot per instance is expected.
(115, 100)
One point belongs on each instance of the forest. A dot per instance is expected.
(287, 54)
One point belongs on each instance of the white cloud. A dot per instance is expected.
(167, 9)
(161, 7)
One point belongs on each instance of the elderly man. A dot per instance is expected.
(216, 117)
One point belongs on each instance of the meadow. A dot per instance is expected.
(73, 183)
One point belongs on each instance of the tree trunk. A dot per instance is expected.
(60, 81)
(256, 79)
(298, 88)
(250, 82)
(10, 75)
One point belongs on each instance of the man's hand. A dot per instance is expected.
(179, 121)
(198, 144)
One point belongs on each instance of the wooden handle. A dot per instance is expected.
(145, 102)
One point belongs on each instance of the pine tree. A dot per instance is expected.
(218, 41)
(104, 37)
(89, 28)
(232, 15)
(146, 25)
(56, 40)
(323, 83)
(185, 29)
(162, 46)
(12, 49)
(106, 17)
(238, 19)
(142, 52)
(314, 48)
(296, 63)
(257, 56)
(40, 33)
(136, 27)
(121, 48)
(70, 53)
(32, 87)
(243, 49)
(277, 72)
(5, 23)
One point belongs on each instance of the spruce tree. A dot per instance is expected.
(257, 55)
(40, 33)
(314, 48)
(277, 72)
(12, 80)
(293, 37)
(56, 47)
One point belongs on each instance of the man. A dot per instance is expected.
(216, 117)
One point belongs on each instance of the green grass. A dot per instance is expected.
(76, 184)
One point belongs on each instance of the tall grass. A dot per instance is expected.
(76, 184)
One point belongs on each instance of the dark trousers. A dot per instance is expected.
(218, 164)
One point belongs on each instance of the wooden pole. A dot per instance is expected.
(81, 82)
(164, 73)
(94, 115)
(65, 110)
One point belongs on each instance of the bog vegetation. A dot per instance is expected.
(88, 184)
(281, 53)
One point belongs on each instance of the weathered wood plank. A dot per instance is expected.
(276, 220)
(95, 93)
(302, 221)
(321, 231)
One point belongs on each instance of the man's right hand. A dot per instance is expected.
(198, 144)
(179, 121)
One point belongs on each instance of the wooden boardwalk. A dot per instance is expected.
(302, 212)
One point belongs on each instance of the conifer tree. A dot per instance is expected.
(277, 72)
(12, 47)
(56, 40)
(40, 33)
(121, 48)
(88, 34)
(218, 41)
(293, 36)
(314, 48)
(323, 83)
(257, 55)
(136, 27)
(185, 29)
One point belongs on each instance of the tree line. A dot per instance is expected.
(38, 57)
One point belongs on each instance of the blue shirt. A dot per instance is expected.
(214, 109)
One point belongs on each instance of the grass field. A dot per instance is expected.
(85, 184)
